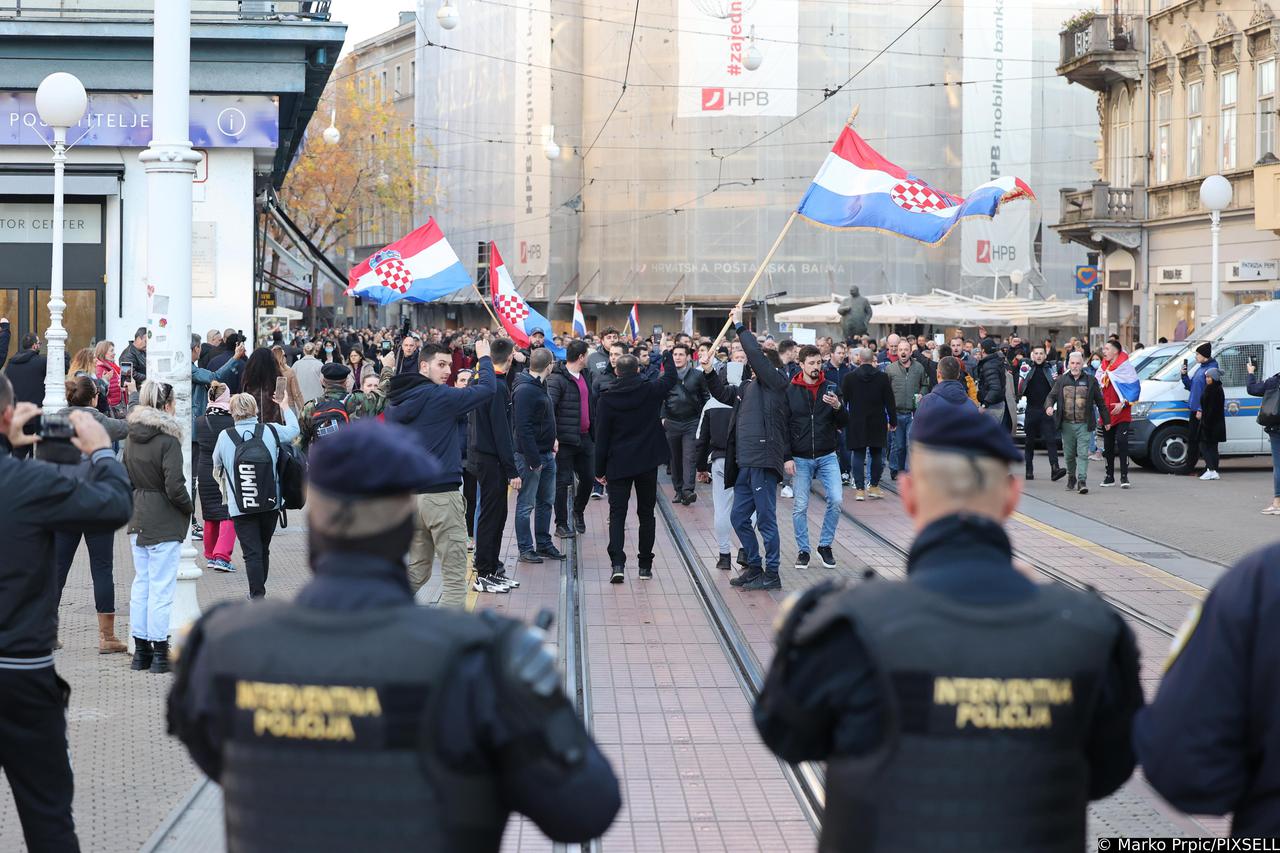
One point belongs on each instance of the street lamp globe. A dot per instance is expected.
(1215, 193)
(332, 135)
(61, 100)
(1016, 277)
(752, 58)
(447, 15)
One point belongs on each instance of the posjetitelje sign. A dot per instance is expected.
(123, 120)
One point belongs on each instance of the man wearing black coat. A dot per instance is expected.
(630, 447)
(680, 416)
(135, 354)
(536, 444)
(37, 500)
(990, 376)
(760, 448)
(4, 340)
(26, 371)
(868, 393)
(491, 458)
(569, 387)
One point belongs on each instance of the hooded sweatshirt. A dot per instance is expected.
(950, 391)
(433, 412)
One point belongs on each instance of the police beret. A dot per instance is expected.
(962, 428)
(371, 458)
(1205, 349)
(335, 372)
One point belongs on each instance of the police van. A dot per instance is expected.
(1161, 435)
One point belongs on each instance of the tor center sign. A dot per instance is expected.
(713, 41)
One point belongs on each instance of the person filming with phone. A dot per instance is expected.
(37, 501)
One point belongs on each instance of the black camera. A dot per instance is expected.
(55, 431)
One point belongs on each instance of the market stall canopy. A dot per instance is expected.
(812, 315)
(944, 308)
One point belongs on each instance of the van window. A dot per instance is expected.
(1233, 361)
(1216, 330)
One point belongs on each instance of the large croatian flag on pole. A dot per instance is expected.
(517, 317)
(579, 321)
(856, 188)
(419, 267)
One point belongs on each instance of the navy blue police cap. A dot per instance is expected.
(962, 428)
(371, 458)
(335, 372)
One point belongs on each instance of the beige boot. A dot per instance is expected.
(107, 642)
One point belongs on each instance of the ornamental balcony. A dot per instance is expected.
(1099, 52)
(1102, 215)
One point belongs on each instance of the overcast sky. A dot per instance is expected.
(367, 18)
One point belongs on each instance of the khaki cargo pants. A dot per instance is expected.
(440, 527)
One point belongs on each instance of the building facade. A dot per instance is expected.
(1185, 91)
(669, 189)
(255, 80)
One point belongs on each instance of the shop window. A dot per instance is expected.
(1175, 315)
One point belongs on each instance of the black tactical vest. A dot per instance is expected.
(987, 711)
(329, 731)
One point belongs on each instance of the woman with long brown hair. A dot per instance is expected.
(282, 361)
(105, 368)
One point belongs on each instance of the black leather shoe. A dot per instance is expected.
(619, 574)
(551, 553)
(645, 572)
(530, 557)
(141, 655)
(579, 522)
(723, 563)
(564, 531)
(160, 656)
(1030, 476)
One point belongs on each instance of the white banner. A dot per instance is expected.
(32, 222)
(530, 254)
(998, 41)
(714, 39)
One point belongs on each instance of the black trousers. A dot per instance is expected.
(469, 499)
(101, 565)
(33, 756)
(1193, 444)
(574, 461)
(646, 487)
(1040, 426)
(492, 488)
(255, 532)
(1115, 442)
(1209, 450)
(682, 439)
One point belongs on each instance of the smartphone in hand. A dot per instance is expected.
(282, 386)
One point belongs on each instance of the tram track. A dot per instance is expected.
(807, 780)
(1117, 604)
(571, 643)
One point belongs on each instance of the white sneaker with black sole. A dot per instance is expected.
(483, 583)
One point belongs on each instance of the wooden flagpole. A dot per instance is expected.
(487, 306)
(765, 263)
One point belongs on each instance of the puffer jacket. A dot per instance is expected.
(684, 403)
(760, 436)
(567, 403)
(948, 392)
(991, 385)
(868, 395)
(215, 421)
(815, 426)
(162, 504)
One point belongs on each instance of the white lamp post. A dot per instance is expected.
(447, 15)
(61, 102)
(170, 165)
(1015, 279)
(1215, 194)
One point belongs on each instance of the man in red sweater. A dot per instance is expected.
(457, 345)
(1116, 437)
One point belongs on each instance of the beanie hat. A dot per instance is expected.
(1205, 349)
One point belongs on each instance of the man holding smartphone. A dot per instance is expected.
(816, 417)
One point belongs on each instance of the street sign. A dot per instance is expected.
(1086, 278)
(266, 299)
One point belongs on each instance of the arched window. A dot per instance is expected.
(1121, 149)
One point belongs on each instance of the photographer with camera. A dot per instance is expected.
(37, 501)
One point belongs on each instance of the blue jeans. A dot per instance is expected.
(1275, 460)
(756, 491)
(827, 470)
(898, 442)
(860, 466)
(537, 494)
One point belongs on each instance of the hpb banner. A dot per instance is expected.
(532, 115)
(714, 35)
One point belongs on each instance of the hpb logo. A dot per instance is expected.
(717, 99)
(712, 99)
(1000, 252)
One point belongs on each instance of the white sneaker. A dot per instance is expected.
(1271, 509)
(1209, 475)
(483, 583)
(787, 492)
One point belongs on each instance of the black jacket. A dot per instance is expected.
(761, 433)
(490, 430)
(688, 396)
(213, 505)
(138, 358)
(990, 379)
(4, 342)
(868, 395)
(713, 436)
(567, 403)
(630, 439)
(37, 500)
(26, 373)
(533, 417)
(1213, 413)
(815, 426)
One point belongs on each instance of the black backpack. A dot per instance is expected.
(253, 476)
(329, 416)
(292, 471)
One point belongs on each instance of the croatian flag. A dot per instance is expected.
(1123, 378)
(579, 321)
(633, 321)
(856, 188)
(420, 267)
(517, 317)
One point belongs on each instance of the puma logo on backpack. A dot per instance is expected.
(253, 480)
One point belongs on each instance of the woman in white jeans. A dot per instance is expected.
(162, 510)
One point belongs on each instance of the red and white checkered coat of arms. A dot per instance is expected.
(391, 271)
(511, 307)
(917, 196)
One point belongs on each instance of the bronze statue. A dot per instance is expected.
(855, 311)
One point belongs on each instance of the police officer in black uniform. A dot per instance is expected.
(1210, 742)
(350, 719)
(966, 708)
